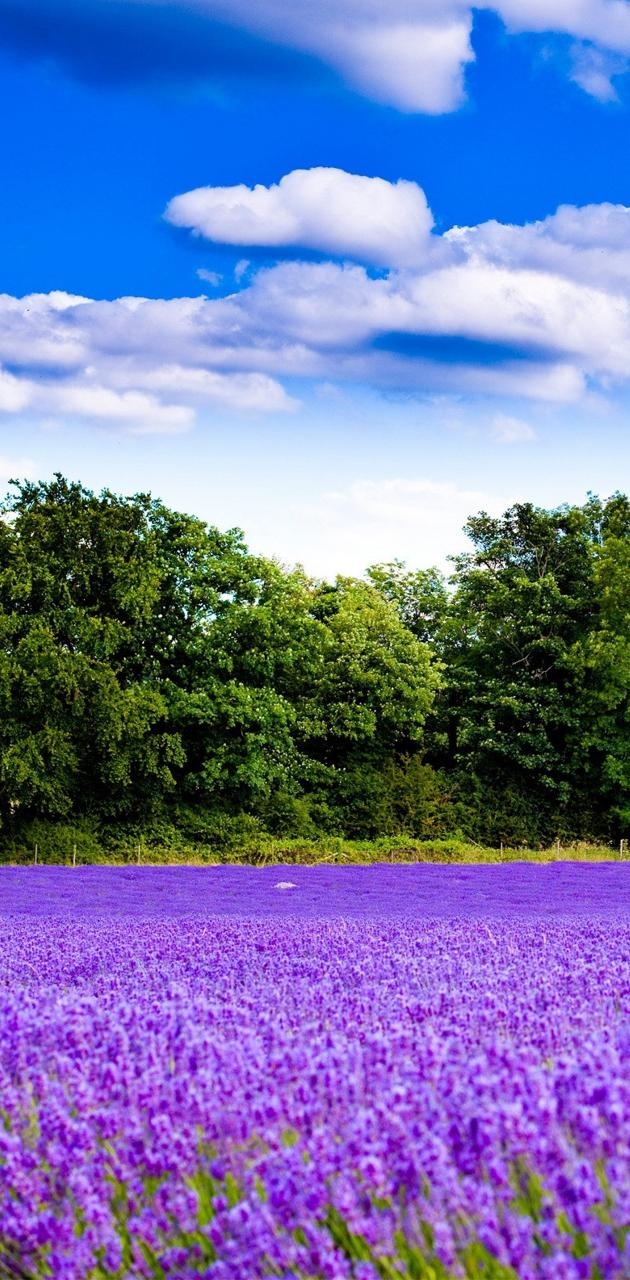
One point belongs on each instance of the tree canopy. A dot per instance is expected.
(152, 669)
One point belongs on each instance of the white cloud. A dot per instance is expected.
(409, 54)
(412, 65)
(243, 392)
(15, 393)
(387, 223)
(112, 363)
(558, 288)
(538, 312)
(412, 54)
(132, 409)
(539, 322)
(19, 468)
(418, 520)
(604, 22)
(590, 245)
(593, 70)
(530, 309)
(210, 277)
(34, 330)
(509, 430)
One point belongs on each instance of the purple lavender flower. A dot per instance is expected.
(201, 1076)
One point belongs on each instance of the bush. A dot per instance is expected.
(55, 843)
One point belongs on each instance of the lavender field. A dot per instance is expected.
(417, 1072)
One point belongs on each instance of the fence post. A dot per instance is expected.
(623, 845)
(74, 855)
(36, 851)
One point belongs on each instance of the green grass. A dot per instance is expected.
(264, 850)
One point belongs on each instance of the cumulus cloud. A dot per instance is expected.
(243, 392)
(538, 312)
(410, 54)
(387, 223)
(15, 393)
(589, 245)
(530, 310)
(114, 363)
(471, 323)
(132, 409)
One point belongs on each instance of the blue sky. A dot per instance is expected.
(340, 274)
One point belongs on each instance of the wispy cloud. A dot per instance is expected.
(594, 70)
(209, 277)
(509, 430)
(415, 519)
(18, 468)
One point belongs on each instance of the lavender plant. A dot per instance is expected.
(423, 1076)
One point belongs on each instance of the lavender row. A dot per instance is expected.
(376, 891)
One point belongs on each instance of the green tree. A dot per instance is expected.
(105, 603)
(153, 669)
(149, 660)
(335, 685)
(602, 663)
(420, 597)
(368, 708)
(513, 716)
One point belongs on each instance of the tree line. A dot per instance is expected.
(158, 677)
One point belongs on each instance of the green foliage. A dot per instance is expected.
(242, 839)
(56, 842)
(162, 687)
(420, 596)
(412, 1252)
(413, 1255)
(413, 1261)
(515, 723)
